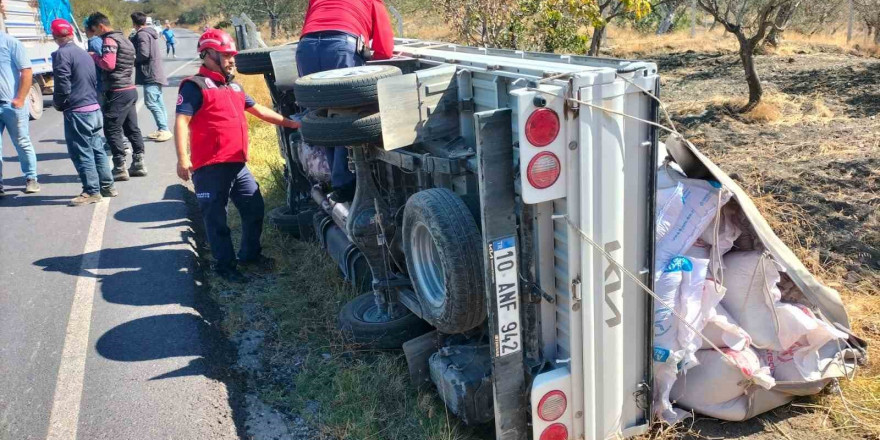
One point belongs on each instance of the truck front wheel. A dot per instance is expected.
(445, 260)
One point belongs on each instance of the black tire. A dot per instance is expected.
(342, 88)
(257, 61)
(340, 131)
(299, 225)
(35, 98)
(452, 295)
(379, 335)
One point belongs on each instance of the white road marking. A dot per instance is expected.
(64, 419)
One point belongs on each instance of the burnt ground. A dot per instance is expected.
(813, 169)
(822, 168)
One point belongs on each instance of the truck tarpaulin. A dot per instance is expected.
(52, 9)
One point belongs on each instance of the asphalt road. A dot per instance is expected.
(102, 327)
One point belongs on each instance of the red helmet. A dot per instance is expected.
(218, 40)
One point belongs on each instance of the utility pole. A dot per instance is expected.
(694, 18)
(849, 26)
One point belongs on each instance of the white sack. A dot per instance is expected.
(801, 361)
(752, 294)
(728, 230)
(680, 286)
(758, 401)
(719, 379)
(698, 311)
(724, 332)
(679, 223)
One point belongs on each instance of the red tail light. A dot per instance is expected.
(543, 170)
(556, 431)
(542, 127)
(552, 406)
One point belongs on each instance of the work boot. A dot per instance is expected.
(119, 172)
(31, 186)
(230, 274)
(137, 166)
(109, 191)
(261, 263)
(85, 199)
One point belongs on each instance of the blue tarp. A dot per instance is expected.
(52, 9)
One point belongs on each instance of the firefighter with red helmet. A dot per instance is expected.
(211, 135)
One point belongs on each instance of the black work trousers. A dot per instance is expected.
(120, 117)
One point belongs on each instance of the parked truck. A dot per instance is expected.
(29, 21)
(503, 226)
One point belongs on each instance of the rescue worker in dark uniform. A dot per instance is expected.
(338, 34)
(211, 135)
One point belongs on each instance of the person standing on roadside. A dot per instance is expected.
(335, 35)
(75, 94)
(16, 78)
(169, 40)
(211, 135)
(116, 61)
(150, 72)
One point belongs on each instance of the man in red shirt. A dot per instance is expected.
(211, 122)
(333, 37)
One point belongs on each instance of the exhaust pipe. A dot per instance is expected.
(337, 211)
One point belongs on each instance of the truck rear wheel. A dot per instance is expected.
(362, 323)
(342, 88)
(35, 100)
(445, 260)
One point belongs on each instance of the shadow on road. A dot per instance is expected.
(45, 179)
(43, 157)
(13, 201)
(162, 273)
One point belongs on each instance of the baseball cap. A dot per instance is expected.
(149, 21)
(61, 28)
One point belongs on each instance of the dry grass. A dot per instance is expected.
(624, 42)
(775, 108)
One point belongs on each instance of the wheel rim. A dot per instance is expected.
(371, 313)
(347, 72)
(429, 275)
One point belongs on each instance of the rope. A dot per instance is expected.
(608, 110)
(655, 98)
(638, 282)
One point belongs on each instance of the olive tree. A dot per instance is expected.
(870, 12)
(749, 21)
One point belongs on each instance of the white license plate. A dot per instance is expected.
(504, 263)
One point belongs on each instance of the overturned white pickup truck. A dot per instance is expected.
(582, 277)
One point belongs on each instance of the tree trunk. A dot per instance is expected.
(747, 56)
(596, 41)
(783, 18)
(668, 18)
(273, 26)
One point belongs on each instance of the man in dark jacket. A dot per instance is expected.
(149, 72)
(75, 95)
(116, 61)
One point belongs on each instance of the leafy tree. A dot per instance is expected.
(547, 25)
(749, 21)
